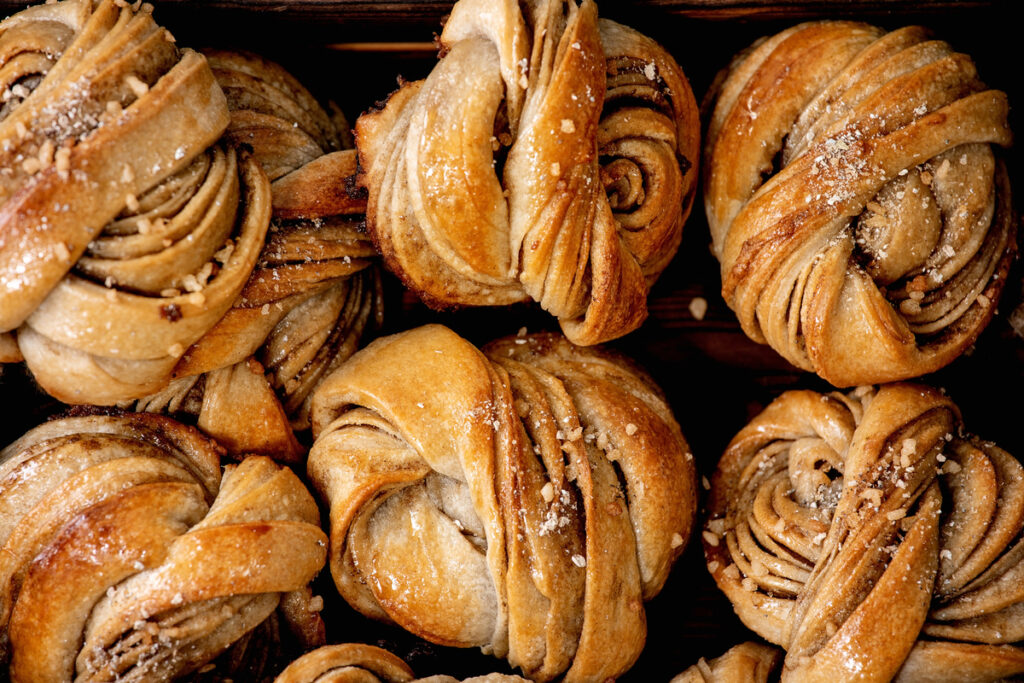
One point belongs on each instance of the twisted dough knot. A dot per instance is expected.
(159, 236)
(356, 662)
(548, 156)
(126, 554)
(862, 535)
(862, 222)
(525, 501)
(107, 156)
(312, 294)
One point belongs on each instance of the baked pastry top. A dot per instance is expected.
(126, 553)
(525, 499)
(867, 535)
(549, 155)
(175, 226)
(860, 215)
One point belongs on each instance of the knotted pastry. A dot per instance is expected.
(114, 201)
(174, 274)
(312, 294)
(365, 663)
(549, 155)
(866, 535)
(862, 221)
(525, 499)
(126, 553)
(744, 663)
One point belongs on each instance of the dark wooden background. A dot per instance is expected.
(714, 377)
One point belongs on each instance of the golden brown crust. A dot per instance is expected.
(744, 663)
(150, 313)
(125, 552)
(863, 225)
(525, 500)
(549, 155)
(347, 661)
(172, 271)
(165, 109)
(866, 535)
(313, 293)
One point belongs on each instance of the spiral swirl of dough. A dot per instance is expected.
(867, 536)
(549, 155)
(127, 554)
(122, 239)
(862, 221)
(314, 291)
(525, 500)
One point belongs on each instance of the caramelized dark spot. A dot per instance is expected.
(171, 312)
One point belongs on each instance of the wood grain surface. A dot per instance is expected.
(715, 378)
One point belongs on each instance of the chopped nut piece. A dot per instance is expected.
(62, 157)
(61, 251)
(910, 307)
(698, 307)
(548, 492)
(138, 86)
(872, 495)
(46, 153)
